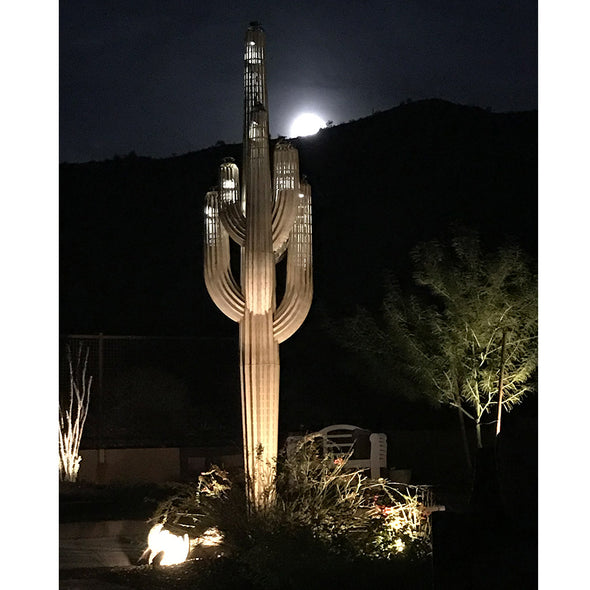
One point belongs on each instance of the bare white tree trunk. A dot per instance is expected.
(73, 416)
(501, 384)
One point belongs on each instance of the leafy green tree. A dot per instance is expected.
(485, 326)
(393, 346)
(468, 341)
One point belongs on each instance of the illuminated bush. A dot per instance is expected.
(349, 511)
(319, 506)
(403, 526)
(193, 506)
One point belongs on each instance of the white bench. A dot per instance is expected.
(367, 450)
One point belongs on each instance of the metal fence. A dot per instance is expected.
(157, 391)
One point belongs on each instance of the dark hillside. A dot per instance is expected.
(383, 183)
(131, 228)
(130, 243)
(131, 238)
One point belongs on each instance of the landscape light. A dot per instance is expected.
(174, 547)
(210, 538)
(399, 545)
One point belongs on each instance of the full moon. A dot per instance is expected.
(306, 124)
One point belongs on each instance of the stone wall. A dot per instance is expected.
(154, 465)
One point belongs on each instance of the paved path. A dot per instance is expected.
(98, 545)
(90, 584)
(96, 552)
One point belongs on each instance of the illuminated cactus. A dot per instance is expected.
(267, 218)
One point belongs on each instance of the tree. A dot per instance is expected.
(392, 346)
(467, 340)
(485, 327)
(72, 415)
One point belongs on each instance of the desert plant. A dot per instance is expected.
(348, 511)
(72, 415)
(466, 338)
(268, 216)
(403, 526)
(320, 507)
(315, 491)
(192, 507)
(486, 327)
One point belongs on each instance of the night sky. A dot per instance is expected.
(163, 78)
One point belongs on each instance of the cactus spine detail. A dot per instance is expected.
(267, 217)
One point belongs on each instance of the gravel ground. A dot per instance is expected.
(90, 584)
(191, 575)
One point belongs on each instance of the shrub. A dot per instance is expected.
(322, 516)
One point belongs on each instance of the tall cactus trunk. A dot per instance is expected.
(268, 216)
(259, 373)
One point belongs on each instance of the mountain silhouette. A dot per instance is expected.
(131, 228)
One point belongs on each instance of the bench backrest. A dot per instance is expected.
(367, 450)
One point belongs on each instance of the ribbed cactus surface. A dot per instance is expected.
(268, 216)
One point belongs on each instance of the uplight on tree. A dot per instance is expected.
(471, 345)
(72, 416)
(487, 326)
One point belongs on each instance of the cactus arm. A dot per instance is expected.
(286, 195)
(230, 210)
(284, 213)
(219, 280)
(299, 288)
(234, 222)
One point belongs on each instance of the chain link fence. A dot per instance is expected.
(157, 391)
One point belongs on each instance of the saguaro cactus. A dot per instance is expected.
(269, 218)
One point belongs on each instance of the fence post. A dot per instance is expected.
(100, 452)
